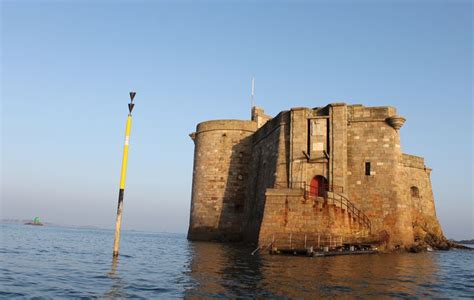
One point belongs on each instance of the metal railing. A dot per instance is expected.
(322, 190)
(303, 184)
(290, 185)
(290, 241)
(336, 198)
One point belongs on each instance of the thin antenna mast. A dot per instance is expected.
(253, 92)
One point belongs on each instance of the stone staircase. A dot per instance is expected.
(342, 203)
(298, 217)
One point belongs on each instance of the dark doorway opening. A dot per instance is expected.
(318, 186)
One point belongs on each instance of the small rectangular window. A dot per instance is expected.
(367, 168)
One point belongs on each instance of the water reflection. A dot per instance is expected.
(221, 270)
(63, 262)
(116, 290)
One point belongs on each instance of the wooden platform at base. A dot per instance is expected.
(309, 253)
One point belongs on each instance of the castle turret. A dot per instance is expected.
(258, 115)
(221, 163)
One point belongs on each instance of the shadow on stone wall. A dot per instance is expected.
(232, 214)
(263, 166)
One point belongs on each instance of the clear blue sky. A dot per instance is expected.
(67, 68)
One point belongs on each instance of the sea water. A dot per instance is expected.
(59, 262)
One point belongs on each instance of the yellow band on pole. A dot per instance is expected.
(125, 152)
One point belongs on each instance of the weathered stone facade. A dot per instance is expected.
(336, 170)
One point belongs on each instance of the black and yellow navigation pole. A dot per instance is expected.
(118, 223)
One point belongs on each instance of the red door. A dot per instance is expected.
(314, 188)
(317, 186)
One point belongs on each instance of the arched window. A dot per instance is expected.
(415, 193)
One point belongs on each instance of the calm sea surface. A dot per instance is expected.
(54, 262)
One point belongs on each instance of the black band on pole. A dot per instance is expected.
(120, 198)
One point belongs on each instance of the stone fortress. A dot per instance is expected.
(336, 170)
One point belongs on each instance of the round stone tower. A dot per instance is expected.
(221, 165)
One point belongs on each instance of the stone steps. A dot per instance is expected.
(293, 212)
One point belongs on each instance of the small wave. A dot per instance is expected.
(8, 295)
(135, 287)
(9, 251)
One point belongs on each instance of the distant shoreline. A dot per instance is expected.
(27, 221)
(466, 242)
(90, 227)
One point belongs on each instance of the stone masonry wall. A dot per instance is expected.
(268, 168)
(258, 115)
(221, 170)
(338, 140)
(287, 211)
(417, 180)
(298, 145)
(372, 140)
(309, 140)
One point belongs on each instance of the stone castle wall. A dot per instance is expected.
(289, 211)
(221, 170)
(307, 147)
(417, 181)
(372, 140)
(268, 168)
